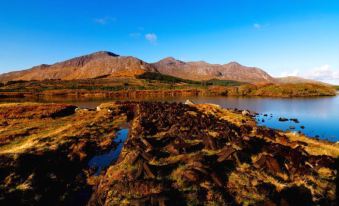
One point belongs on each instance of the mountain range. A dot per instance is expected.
(105, 64)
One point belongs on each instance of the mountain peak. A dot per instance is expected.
(201, 70)
(104, 53)
(169, 59)
(82, 60)
(101, 63)
(234, 63)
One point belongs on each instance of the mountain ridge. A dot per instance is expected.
(201, 70)
(296, 79)
(83, 67)
(111, 65)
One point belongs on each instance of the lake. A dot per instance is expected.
(319, 116)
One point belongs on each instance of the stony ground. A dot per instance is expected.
(175, 154)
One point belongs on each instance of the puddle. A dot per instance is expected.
(101, 162)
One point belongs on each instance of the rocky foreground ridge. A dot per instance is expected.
(175, 154)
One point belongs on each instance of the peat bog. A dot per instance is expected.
(175, 154)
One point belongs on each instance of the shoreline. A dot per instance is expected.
(146, 93)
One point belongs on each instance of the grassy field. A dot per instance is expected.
(276, 90)
(290, 90)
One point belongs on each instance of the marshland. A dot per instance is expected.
(171, 154)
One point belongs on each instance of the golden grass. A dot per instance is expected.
(50, 133)
(224, 114)
(243, 181)
(316, 147)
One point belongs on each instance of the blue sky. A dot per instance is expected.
(282, 37)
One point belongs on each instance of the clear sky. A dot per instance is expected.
(290, 37)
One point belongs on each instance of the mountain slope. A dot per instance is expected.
(88, 66)
(107, 64)
(203, 71)
(296, 80)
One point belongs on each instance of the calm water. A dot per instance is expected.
(100, 162)
(319, 116)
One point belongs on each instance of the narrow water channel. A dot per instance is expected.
(101, 162)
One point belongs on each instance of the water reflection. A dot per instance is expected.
(101, 162)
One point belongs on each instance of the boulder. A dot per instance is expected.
(245, 113)
(283, 119)
(189, 102)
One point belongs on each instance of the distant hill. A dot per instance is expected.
(94, 65)
(109, 65)
(294, 79)
(201, 70)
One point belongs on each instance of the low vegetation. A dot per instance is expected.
(152, 76)
(31, 110)
(164, 78)
(43, 157)
(175, 154)
(152, 84)
(283, 90)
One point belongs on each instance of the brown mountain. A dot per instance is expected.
(107, 64)
(296, 80)
(201, 70)
(88, 66)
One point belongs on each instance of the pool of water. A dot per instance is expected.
(319, 115)
(102, 161)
